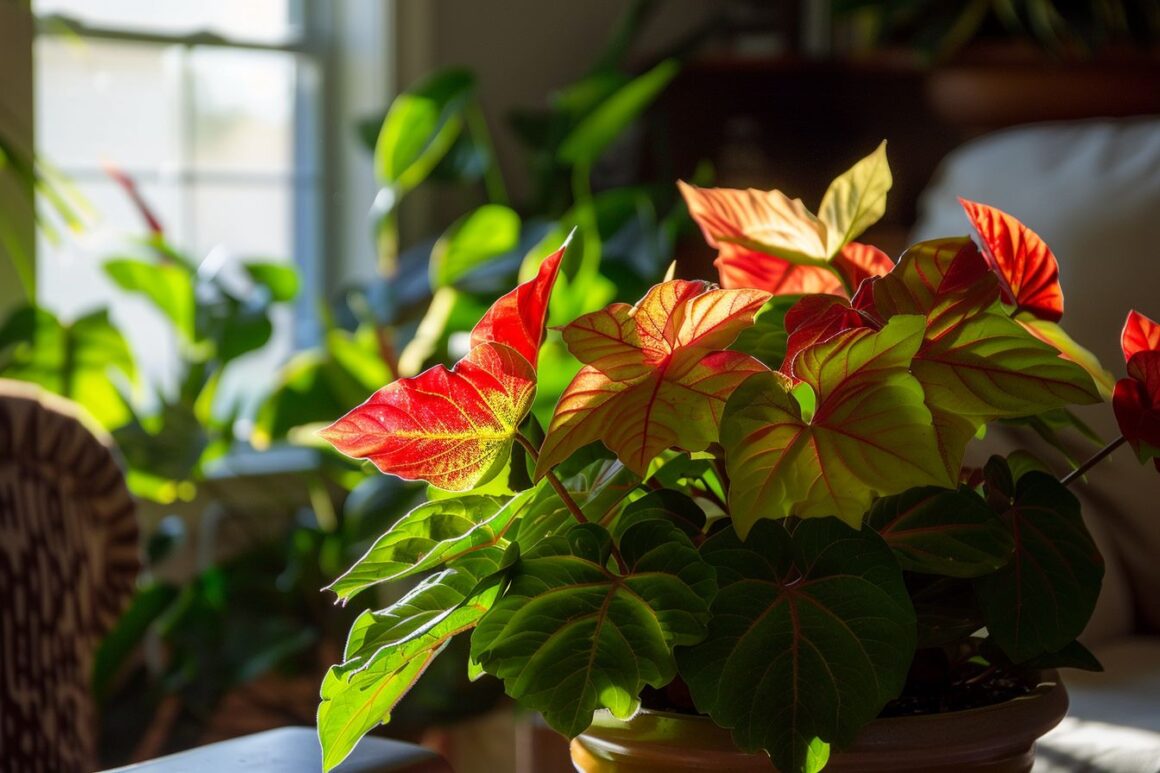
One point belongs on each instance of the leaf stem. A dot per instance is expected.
(566, 497)
(1096, 459)
(563, 493)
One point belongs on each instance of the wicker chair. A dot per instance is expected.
(68, 562)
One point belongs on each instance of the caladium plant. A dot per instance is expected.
(751, 502)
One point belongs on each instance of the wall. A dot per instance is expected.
(16, 123)
(521, 51)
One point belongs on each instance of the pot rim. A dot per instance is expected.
(1024, 719)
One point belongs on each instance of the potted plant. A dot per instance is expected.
(749, 513)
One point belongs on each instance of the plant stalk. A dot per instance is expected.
(1096, 459)
(566, 497)
(563, 493)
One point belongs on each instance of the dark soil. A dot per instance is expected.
(987, 689)
(970, 686)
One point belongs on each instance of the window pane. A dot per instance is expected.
(101, 102)
(71, 282)
(252, 220)
(69, 276)
(256, 20)
(243, 104)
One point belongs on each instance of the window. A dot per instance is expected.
(213, 108)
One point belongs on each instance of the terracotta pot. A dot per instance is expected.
(992, 739)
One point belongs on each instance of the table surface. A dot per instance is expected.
(293, 750)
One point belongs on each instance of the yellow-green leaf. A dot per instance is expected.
(870, 433)
(856, 199)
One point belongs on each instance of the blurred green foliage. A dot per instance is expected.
(260, 611)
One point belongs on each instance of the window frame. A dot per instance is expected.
(306, 178)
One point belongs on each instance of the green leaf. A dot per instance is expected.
(1051, 333)
(432, 534)
(946, 609)
(280, 279)
(1073, 655)
(473, 240)
(421, 126)
(766, 339)
(665, 505)
(812, 632)
(989, 367)
(168, 286)
(240, 329)
(976, 364)
(589, 139)
(388, 650)
(75, 360)
(870, 434)
(570, 636)
(856, 199)
(597, 489)
(939, 531)
(425, 608)
(1042, 599)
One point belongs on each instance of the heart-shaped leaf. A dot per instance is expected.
(870, 433)
(569, 636)
(976, 364)
(858, 262)
(666, 505)
(1136, 401)
(1055, 336)
(768, 241)
(388, 650)
(815, 319)
(939, 531)
(432, 534)
(654, 377)
(1023, 262)
(1140, 334)
(812, 633)
(1042, 599)
(767, 338)
(452, 428)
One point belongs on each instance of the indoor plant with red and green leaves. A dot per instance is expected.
(751, 502)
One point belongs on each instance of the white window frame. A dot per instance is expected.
(353, 45)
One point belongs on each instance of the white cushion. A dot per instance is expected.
(1113, 724)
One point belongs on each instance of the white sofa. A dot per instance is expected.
(1092, 190)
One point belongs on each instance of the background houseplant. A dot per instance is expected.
(778, 488)
(200, 644)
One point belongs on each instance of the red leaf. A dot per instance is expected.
(1140, 334)
(1022, 260)
(517, 319)
(859, 262)
(452, 428)
(1136, 401)
(816, 319)
(655, 375)
(742, 224)
(740, 267)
